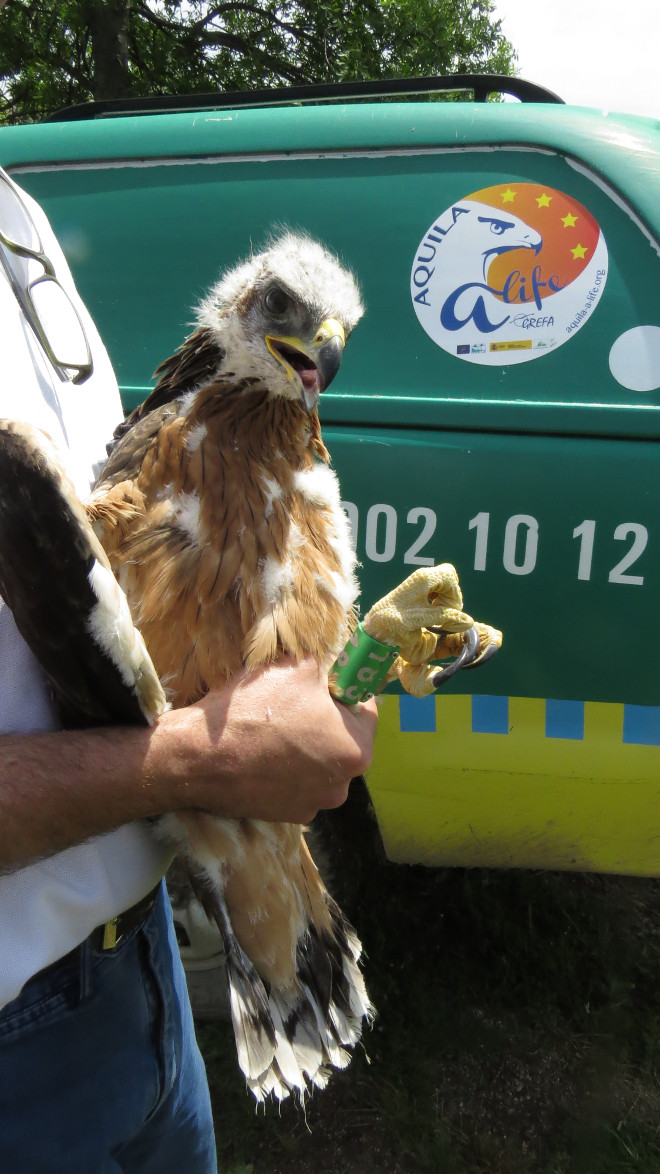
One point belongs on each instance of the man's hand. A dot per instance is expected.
(271, 745)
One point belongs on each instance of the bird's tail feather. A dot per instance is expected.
(288, 1039)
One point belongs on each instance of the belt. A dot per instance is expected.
(106, 937)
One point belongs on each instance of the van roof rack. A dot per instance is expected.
(481, 85)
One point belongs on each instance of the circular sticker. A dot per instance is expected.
(635, 359)
(508, 273)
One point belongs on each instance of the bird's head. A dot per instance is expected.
(283, 317)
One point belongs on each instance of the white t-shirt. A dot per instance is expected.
(49, 907)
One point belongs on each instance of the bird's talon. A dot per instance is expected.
(487, 654)
(472, 646)
(466, 654)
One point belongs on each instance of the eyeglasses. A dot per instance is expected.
(45, 303)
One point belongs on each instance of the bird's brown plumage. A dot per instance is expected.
(202, 608)
(222, 523)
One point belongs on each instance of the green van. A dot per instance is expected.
(498, 408)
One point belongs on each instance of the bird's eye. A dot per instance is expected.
(497, 227)
(277, 301)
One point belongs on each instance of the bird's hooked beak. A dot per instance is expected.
(314, 364)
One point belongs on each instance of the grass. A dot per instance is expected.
(518, 1032)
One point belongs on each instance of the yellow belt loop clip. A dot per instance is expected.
(109, 935)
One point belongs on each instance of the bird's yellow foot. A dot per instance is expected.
(424, 618)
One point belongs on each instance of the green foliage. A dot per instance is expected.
(59, 52)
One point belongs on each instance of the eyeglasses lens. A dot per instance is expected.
(59, 323)
(52, 313)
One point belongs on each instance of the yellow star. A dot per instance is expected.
(569, 221)
(508, 196)
(579, 252)
(543, 201)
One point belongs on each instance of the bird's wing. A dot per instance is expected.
(191, 366)
(128, 450)
(56, 579)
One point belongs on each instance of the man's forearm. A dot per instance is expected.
(58, 789)
(271, 745)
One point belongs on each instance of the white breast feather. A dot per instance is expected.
(186, 515)
(273, 492)
(195, 437)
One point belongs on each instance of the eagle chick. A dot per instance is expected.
(221, 518)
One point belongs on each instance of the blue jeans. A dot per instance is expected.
(99, 1068)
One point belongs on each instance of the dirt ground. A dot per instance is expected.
(518, 1032)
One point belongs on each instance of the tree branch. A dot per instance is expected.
(247, 48)
(223, 39)
(270, 18)
(174, 28)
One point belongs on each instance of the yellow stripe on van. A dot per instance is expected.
(448, 791)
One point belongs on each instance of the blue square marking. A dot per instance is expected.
(564, 719)
(416, 714)
(490, 715)
(641, 725)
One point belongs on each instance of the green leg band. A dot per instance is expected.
(362, 666)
